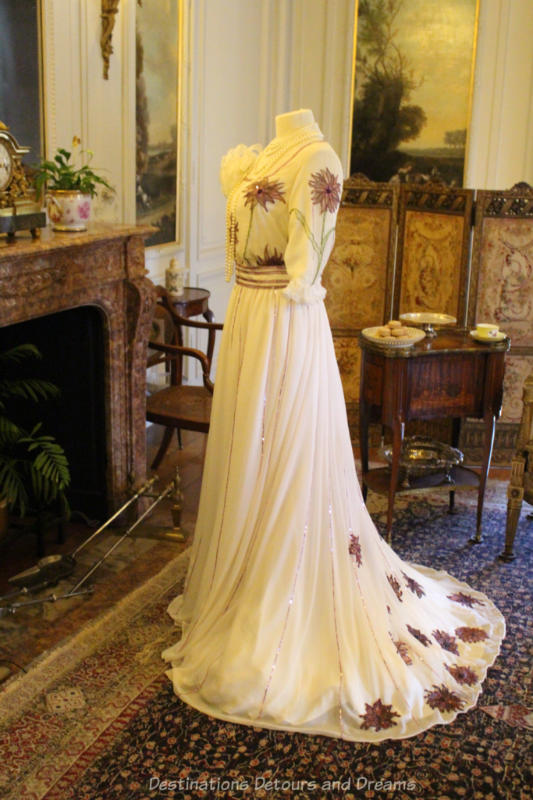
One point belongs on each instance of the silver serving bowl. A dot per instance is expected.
(421, 456)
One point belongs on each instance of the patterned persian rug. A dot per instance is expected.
(96, 719)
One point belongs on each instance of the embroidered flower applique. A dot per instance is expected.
(325, 190)
(263, 192)
(446, 641)
(462, 674)
(378, 716)
(395, 584)
(269, 259)
(465, 599)
(403, 651)
(414, 586)
(325, 193)
(355, 549)
(260, 193)
(422, 638)
(471, 634)
(443, 698)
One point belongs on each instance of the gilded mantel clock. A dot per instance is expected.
(6, 166)
(18, 210)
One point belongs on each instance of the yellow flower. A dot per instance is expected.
(76, 141)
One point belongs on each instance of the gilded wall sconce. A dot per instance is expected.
(109, 10)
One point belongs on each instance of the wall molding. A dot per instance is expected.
(129, 167)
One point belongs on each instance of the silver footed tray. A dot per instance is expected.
(427, 320)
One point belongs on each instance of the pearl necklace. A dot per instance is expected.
(264, 164)
(282, 145)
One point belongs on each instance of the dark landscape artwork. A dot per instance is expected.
(20, 75)
(156, 117)
(414, 67)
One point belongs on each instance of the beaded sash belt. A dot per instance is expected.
(267, 276)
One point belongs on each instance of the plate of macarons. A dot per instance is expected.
(393, 334)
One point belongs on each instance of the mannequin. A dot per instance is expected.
(292, 120)
(296, 615)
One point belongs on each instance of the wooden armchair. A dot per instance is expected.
(521, 484)
(179, 406)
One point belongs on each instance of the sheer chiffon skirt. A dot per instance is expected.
(296, 614)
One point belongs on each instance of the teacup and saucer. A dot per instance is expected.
(487, 332)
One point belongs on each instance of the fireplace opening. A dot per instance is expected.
(72, 346)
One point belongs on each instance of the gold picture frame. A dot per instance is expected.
(412, 89)
(159, 30)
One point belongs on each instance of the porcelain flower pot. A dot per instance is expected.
(68, 209)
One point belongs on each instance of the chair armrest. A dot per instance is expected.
(165, 304)
(192, 323)
(175, 351)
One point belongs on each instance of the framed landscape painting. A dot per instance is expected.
(157, 95)
(414, 68)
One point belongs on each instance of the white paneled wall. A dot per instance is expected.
(321, 66)
(223, 111)
(79, 102)
(242, 62)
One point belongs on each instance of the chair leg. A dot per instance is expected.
(165, 441)
(515, 496)
(178, 434)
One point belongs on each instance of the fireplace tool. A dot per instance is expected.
(51, 569)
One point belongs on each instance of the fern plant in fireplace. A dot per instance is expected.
(34, 471)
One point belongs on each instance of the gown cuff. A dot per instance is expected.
(302, 292)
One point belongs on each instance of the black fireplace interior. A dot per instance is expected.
(72, 347)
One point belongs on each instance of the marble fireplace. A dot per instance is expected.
(98, 279)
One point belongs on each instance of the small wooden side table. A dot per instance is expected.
(194, 302)
(450, 375)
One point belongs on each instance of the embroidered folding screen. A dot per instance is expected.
(359, 273)
(358, 277)
(431, 271)
(433, 249)
(501, 285)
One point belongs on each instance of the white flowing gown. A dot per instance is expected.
(296, 614)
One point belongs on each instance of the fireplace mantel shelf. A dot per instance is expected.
(23, 245)
(102, 267)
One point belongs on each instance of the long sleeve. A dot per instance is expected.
(313, 205)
